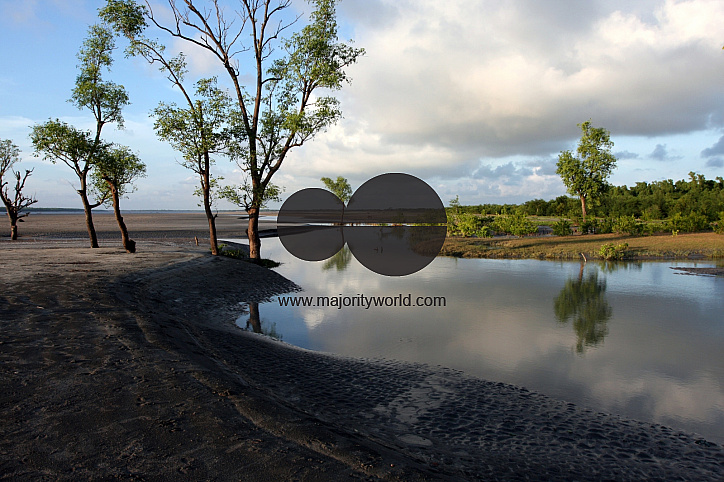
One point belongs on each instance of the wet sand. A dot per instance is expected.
(130, 366)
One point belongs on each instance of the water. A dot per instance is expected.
(634, 339)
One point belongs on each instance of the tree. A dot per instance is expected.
(81, 150)
(60, 141)
(585, 174)
(15, 203)
(197, 131)
(340, 188)
(242, 196)
(115, 170)
(584, 301)
(281, 109)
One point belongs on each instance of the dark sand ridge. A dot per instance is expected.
(122, 365)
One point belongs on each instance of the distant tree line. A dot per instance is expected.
(657, 200)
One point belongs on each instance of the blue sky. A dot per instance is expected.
(475, 97)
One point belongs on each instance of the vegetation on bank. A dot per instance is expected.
(664, 219)
(599, 246)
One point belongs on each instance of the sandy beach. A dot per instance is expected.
(130, 366)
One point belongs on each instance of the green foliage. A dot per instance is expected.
(613, 252)
(59, 141)
(562, 227)
(691, 223)
(199, 130)
(585, 175)
(455, 207)
(583, 300)
(627, 225)
(589, 226)
(242, 195)
(117, 168)
(283, 105)
(718, 226)
(104, 98)
(469, 225)
(516, 224)
(340, 188)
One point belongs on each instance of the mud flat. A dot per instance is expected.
(118, 365)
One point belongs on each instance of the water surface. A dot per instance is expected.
(635, 339)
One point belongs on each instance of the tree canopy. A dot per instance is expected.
(340, 188)
(586, 173)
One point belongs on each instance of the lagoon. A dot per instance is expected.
(637, 339)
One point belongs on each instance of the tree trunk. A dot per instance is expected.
(13, 230)
(252, 232)
(128, 244)
(583, 208)
(207, 207)
(88, 218)
(254, 321)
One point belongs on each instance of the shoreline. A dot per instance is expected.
(131, 365)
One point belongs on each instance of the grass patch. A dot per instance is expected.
(707, 245)
(241, 255)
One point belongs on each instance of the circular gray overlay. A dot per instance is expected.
(394, 224)
(309, 224)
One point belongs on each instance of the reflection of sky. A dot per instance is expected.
(661, 360)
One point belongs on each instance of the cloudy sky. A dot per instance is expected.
(476, 97)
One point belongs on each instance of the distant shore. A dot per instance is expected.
(130, 366)
(661, 246)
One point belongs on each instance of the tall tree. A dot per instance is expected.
(197, 131)
(16, 202)
(280, 109)
(340, 187)
(59, 141)
(115, 170)
(78, 149)
(585, 175)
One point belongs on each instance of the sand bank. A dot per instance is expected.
(117, 365)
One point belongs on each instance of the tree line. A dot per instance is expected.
(649, 201)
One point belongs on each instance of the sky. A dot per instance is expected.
(476, 97)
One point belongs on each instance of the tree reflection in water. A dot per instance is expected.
(583, 300)
(339, 261)
(254, 322)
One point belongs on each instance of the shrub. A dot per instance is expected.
(611, 252)
(562, 228)
(690, 223)
(627, 225)
(606, 225)
(516, 224)
(469, 225)
(589, 227)
(718, 226)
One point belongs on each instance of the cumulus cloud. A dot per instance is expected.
(715, 150)
(661, 153)
(625, 155)
(490, 76)
(715, 162)
(452, 90)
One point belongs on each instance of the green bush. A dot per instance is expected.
(469, 225)
(589, 227)
(690, 223)
(516, 224)
(611, 252)
(718, 226)
(605, 226)
(627, 225)
(562, 228)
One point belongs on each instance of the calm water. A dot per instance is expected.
(635, 339)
